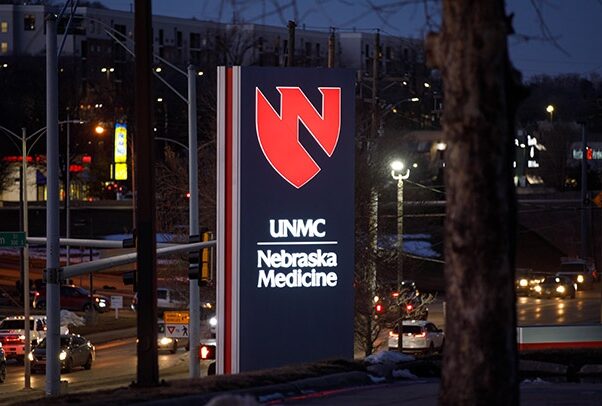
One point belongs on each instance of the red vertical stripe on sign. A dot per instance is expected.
(228, 229)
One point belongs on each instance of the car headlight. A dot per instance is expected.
(102, 304)
(22, 337)
(523, 282)
(580, 279)
(213, 321)
(537, 288)
(63, 356)
(30, 356)
(165, 341)
(560, 289)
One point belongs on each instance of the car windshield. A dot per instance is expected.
(64, 342)
(412, 330)
(161, 294)
(82, 291)
(15, 324)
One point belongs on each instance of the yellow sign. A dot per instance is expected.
(121, 171)
(171, 317)
(121, 145)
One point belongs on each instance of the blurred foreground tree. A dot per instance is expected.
(481, 95)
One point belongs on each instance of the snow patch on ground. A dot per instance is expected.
(377, 379)
(404, 374)
(383, 357)
(536, 381)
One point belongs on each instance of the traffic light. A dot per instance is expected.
(129, 278)
(206, 352)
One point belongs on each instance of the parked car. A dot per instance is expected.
(555, 286)
(417, 336)
(76, 351)
(2, 365)
(74, 298)
(166, 299)
(12, 335)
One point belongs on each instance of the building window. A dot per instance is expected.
(29, 23)
(4, 26)
(4, 48)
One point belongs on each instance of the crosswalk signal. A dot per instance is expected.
(206, 352)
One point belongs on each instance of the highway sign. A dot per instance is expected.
(12, 239)
(176, 330)
(176, 317)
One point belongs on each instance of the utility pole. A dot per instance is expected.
(290, 61)
(193, 219)
(148, 367)
(584, 201)
(68, 191)
(25, 219)
(375, 75)
(331, 48)
(53, 307)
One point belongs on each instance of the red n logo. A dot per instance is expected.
(278, 134)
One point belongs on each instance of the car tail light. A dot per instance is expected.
(36, 294)
(409, 307)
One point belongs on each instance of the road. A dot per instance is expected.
(115, 366)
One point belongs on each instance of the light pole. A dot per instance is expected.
(397, 169)
(550, 110)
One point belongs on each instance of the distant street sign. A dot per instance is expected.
(172, 317)
(12, 239)
(116, 302)
(176, 330)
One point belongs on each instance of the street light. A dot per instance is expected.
(550, 110)
(397, 172)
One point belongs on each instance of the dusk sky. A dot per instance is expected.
(576, 25)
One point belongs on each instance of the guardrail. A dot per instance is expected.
(559, 337)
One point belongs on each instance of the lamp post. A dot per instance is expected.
(397, 172)
(550, 110)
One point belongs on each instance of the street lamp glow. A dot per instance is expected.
(397, 166)
(427, 85)
(158, 69)
(415, 99)
(201, 73)
(550, 109)
(441, 146)
(160, 99)
(99, 129)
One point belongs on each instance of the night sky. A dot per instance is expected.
(576, 25)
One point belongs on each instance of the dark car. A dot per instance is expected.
(555, 286)
(2, 365)
(73, 298)
(75, 351)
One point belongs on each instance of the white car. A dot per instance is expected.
(417, 336)
(12, 334)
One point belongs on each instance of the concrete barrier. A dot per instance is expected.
(559, 337)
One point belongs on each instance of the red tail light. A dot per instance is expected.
(36, 294)
(409, 307)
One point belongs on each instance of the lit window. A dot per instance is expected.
(29, 23)
(4, 48)
(4, 26)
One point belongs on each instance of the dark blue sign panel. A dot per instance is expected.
(296, 216)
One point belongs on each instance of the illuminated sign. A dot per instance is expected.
(121, 152)
(285, 259)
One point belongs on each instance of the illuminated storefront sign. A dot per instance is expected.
(286, 189)
(121, 152)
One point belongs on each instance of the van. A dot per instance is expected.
(12, 334)
(167, 298)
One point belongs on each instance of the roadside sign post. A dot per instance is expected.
(116, 303)
(177, 324)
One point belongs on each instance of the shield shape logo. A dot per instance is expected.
(278, 133)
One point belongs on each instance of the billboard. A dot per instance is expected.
(121, 152)
(286, 216)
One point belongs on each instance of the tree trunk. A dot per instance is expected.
(480, 359)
